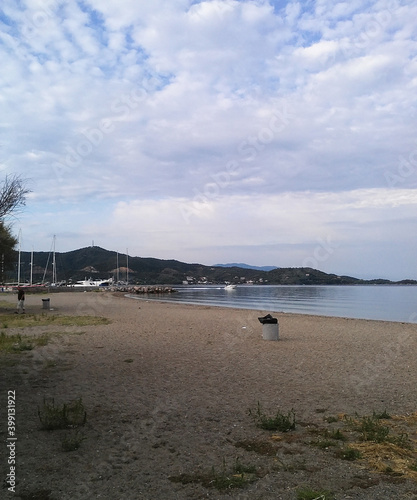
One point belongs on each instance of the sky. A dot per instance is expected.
(258, 131)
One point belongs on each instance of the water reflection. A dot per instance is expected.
(391, 303)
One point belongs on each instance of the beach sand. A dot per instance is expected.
(167, 388)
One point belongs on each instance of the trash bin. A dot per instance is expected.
(46, 303)
(270, 327)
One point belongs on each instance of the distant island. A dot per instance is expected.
(247, 266)
(96, 262)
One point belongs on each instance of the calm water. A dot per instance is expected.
(390, 303)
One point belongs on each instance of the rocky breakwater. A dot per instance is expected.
(143, 290)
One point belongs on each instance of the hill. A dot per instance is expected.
(96, 262)
(246, 266)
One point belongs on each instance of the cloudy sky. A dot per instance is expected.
(259, 131)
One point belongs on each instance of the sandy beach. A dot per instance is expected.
(167, 388)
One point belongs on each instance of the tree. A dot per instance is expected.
(7, 253)
(12, 195)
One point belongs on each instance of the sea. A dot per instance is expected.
(375, 302)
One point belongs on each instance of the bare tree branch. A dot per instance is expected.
(12, 195)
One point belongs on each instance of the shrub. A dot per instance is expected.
(372, 430)
(279, 422)
(349, 454)
(62, 416)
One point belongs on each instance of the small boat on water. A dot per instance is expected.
(230, 287)
(93, 283)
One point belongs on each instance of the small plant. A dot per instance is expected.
(349, 454)
(72, 442)
(239, 477)
(337, 434)
(225, 481)
(279, 422)
(240, 468)
(331, 419)
(323, 443)
(413, 466)
(401, 440)
(307, 493)
(63, 416)
(42, 340)
(372, 430)
(381, 416)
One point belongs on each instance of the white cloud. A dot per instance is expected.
(272, 228)
(164, 102)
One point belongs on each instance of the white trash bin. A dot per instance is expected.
(270, 327)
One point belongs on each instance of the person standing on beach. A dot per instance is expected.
(20, 300)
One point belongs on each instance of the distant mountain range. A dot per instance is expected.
(247, 266)
(96, 262)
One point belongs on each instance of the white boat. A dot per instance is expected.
(230, 287)
(93, 283)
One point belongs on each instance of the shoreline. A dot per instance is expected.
(12, 296)
(168, 301)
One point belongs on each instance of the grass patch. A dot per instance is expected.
(28, 320)
(4, 304)
(331, 419)
(350, 454)
(237, 477)
(63, 416)
(381, 441)
(307, 493)
(19, 343)
(279, 422)
(336, 434)
(413, 466)
(72, 442)
(323, 443)
(260, 447)
(381, 416)
(370, 428)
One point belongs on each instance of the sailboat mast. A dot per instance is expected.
(18, 261)
(54, 280)
(31, 267)
(127, 266)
